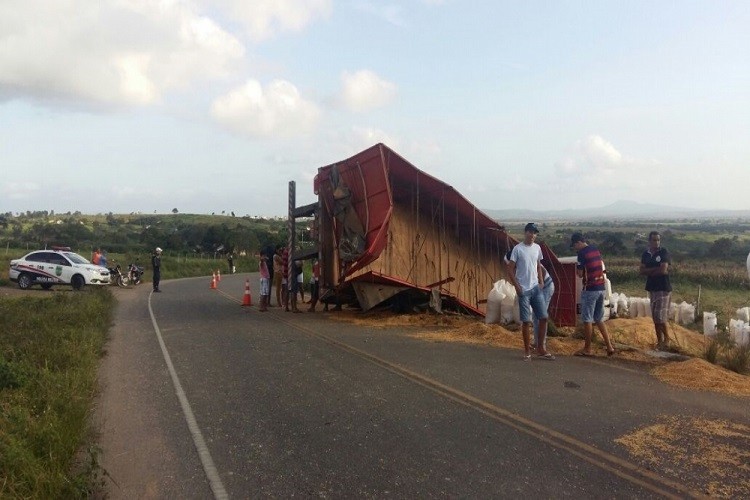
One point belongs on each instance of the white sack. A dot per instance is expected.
(494, 304)
(709, 324)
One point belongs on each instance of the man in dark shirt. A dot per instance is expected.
(655, 263)
(156, 266)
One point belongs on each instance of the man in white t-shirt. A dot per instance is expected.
(525, 272)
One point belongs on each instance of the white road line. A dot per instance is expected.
(208, 464)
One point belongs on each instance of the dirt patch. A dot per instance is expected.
(712, 456)
(702, 375)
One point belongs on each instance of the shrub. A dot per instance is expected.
(738, 359)
(712, 351)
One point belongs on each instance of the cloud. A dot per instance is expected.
(390, 13)
(596, 168)
(110, 51)
(364, 91)
(593, 160)
(263, 19)
(364, 137)
(20, 190)
(278, 110)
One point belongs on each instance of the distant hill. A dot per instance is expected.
(618, 210)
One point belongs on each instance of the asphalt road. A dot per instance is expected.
(204, 398)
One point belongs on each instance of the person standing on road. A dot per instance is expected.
(285, 285)
(265, 282)
(301, 284)
(156, 266)
(655, 263)
(548, 290)
(314, 286)
(96, 256)
(278, 274)
(590, 268)
(293, 285)
(525, 272)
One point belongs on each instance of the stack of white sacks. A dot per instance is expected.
(502, 307)
(739, 329)
(502, 304)
(640, 307)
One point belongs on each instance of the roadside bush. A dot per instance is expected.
(712, 351)
(738, 359)
(49, 354)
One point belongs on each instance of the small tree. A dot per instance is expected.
(174, 211)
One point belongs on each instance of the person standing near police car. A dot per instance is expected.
(655, 263)
(156, 267)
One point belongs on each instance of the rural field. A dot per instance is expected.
(48, 355)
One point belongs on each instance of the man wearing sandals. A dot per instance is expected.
(525, 272)
(655, 263)
(590, 268)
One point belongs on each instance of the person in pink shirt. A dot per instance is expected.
(265, 282)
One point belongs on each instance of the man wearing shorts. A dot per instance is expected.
(655, 263)
(590, 268)
(525, 272)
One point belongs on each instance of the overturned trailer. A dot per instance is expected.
(388, 232)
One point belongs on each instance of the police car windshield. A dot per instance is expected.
(75, 258)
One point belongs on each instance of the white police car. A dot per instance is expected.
(58, 266)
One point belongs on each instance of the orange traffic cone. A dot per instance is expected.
(247, 299)
(213, 283)
(218, 275)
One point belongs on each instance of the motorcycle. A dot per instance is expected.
(116, 277)
(135, 273)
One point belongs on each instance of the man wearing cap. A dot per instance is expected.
(156, 266)
(525, 272)
(655, 263)
(590, 268)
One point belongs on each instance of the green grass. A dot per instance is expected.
(49, 354)
(720, 288)
(173, 264)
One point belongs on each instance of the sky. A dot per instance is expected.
(211, 106)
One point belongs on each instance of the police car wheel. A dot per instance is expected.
(24, 281)
(77, 282)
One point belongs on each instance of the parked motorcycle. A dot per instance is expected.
(135, 273)
(116, 277)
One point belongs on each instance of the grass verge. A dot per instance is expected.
(49, 354)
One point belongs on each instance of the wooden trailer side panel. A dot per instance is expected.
(424, 253)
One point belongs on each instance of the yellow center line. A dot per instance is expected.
(602, 459)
